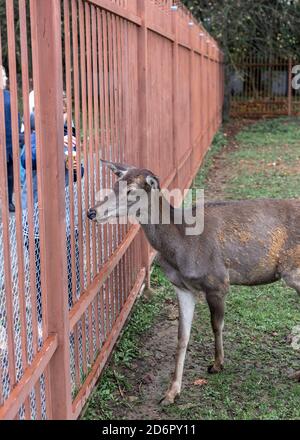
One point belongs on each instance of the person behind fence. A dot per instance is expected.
(8, 140)
(34, 147)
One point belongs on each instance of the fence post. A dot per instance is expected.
(48, 86)
(290, 91)
(143, 102)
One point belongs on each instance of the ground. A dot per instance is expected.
(248, 160)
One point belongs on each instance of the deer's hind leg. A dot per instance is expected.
(290, 268)
(216, 303)
(292, 279)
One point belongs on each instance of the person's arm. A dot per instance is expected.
(33, 153)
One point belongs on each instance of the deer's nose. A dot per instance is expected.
(91, 214)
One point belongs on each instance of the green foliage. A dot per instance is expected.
(4, 37)
(246, 27)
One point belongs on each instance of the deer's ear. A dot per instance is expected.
(153, 182)
(118, 169)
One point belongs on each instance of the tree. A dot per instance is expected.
(247, 27)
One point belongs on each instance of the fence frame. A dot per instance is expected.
(48, 80)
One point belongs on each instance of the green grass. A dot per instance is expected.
(266, 161)
(259, 320)
(255, 383)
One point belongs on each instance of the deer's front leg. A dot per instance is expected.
(186, 301)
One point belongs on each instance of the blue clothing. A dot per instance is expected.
(8, 129)
(69, 230)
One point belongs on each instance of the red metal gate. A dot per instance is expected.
(143, 84)
(263, 86)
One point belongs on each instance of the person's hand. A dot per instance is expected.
(74, 158)
(66, 141)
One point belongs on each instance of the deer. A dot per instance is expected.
(244, 243)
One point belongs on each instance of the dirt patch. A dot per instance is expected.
(150, 374)
(219, 174)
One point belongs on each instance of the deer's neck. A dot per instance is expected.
(163, 237)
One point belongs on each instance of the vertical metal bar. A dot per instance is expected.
(117, 145)
(86, 167)
(79, 180)
(78, 132)
(122, 138)
(90, 125)
(38, 402)
(125, 62)
(96, 149)
(290, 90)
(143, 103)
(68, 69)
(47, 64)
(106, 155)
(111, 147)
(101, 152)
(6, 240)
(10, 15)
(90, 157)
(30, 201)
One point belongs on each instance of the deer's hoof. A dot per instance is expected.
(295, 376)
(167, 401)
(213, 369)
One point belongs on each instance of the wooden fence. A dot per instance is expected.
(143, 84)
(265, 87)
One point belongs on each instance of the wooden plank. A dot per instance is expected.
(108, 6)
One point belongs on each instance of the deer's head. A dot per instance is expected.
(130, 196)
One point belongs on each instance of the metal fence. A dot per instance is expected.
(143, 84)
(265, 86)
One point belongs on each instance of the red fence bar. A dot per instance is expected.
(290, 103)
(16, 161)
(143, 100)
(47, 56)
